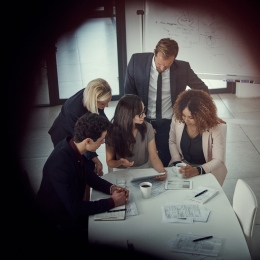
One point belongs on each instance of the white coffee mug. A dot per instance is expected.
(178, 166)
(146, 188)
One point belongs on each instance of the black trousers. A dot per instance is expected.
(162, 128)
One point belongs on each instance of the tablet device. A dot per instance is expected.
(143, 174)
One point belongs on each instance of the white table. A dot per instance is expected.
(148, 233)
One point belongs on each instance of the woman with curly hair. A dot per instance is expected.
(196, 136)
(130, 141)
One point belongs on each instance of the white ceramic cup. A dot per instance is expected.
(121, 181)
(146, 188)
(177, 166)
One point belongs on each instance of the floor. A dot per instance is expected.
(242, 155)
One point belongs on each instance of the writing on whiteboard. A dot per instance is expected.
(206, 39)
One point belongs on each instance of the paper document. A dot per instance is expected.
(175, 184)
(184, 213)
(184, 243)
(131, 208)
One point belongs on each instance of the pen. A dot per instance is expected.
(200, 193)
(202, 238)
(117, 210)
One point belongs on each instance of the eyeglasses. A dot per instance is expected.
(142, 114)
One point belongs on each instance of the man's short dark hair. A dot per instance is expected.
(168, 47)
(90, 125)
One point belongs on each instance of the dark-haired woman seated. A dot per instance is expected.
(130, 141)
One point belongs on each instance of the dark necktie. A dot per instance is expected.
(159, 97)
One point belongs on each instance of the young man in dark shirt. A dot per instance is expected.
(62, 195)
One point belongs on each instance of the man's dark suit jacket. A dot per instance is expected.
(138, 76)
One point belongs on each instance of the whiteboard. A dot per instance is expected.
(206, 40)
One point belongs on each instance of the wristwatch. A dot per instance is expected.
(199, 168)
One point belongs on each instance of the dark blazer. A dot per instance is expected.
(64, 123)
(138, 76)
(71, 110)
(63, 184)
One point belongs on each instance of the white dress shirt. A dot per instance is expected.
(166, 94)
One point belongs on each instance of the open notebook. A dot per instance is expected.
(117, 213)
(143, 174)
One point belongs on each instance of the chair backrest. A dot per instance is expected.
(245, 206)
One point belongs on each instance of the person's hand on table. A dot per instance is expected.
(120, 196)
(120, 189)
(161, 177)
(125, 163)
(188, 171)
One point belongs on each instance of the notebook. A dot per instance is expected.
(203, 194)
(144, 174)
(117, 213)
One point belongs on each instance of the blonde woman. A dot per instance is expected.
(94, 98)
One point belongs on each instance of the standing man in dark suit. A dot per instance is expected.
(141, 79)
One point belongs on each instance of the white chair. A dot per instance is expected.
(245, 206)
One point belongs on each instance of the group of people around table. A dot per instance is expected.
(189, 131)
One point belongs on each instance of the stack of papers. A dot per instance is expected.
(184, 213)
(207, 194)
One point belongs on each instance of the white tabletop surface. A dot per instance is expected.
(148, 233)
